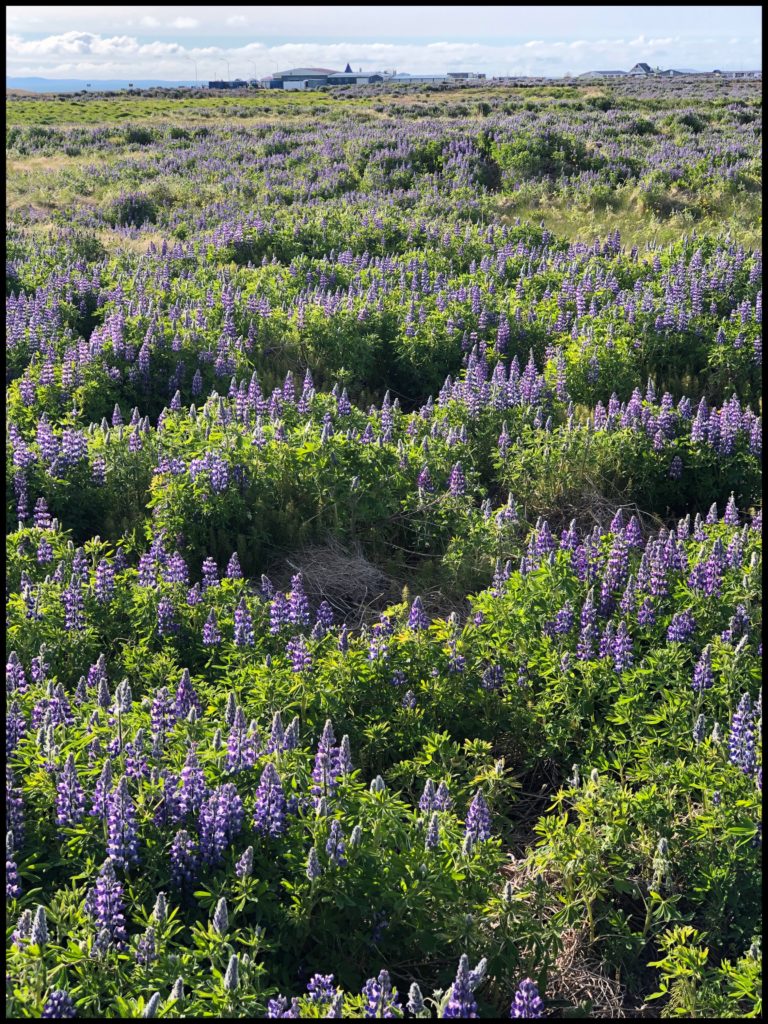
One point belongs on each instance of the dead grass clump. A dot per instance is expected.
(344, 578)
(578, 977)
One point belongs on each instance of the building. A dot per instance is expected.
(604, 74)
(463, 76)
(355, 77)
(237, 84)
(640, 69)
(299, 78)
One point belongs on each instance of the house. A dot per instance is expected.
(462, 76)
(640, 69)
(603, 74)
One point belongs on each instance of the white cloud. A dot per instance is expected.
(120, 55)
(149, 22)
(185, 23)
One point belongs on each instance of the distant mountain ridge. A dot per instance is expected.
(79, 84)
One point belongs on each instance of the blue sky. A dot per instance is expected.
(167, 42)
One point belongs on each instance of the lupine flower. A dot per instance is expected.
(298, 603)
(219, 823)
(243, 635)
(186, 698)
(478, 823)
(682, 627)
(296, 649)
(211, 631)
(12, 880)
(234, 572)
(59, 1006)
(184, 861)
(335, 846)
(320, 988)
(269, 816)
(280, 1008)
(153, 1004)
(741, 743)
(432, 838)
(313, 865)
(146, 949)
(415, 1004)
(417, 618)
(244, 866)
(70, 798)
(231, 978)
(335, 1010)
(457, 484)
(220, 919)
(381, 999)
(703, 678)
(443, 799)
(462, 1003)
(122, 844)
(105, 904)
(527, 1001)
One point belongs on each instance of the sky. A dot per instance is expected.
(182, 43)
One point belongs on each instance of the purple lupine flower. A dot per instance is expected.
(146, 948)
(443, 799)
(320, 988)
(72, 599)
(527, 1001)
(741, 743)
(731, 514)
(478, 823)
(269, 816)
(219, 823)
(280, 1008)
(122, 843)
(424, 481)
(101, 791)
(325, 614)
(210, 574)
(279, 614)
(457, 484)
(622, 648)
(234, 572)
(462, 1003)
(186, 698)
(313, 865)
(646, 615)
(682, 627)
(298, 603)
(335, 846)
(703, 679)
(15, 728)
(166, 618)
(296, 649)
(432, 838)
(58, 1006)
(104, 582)
(585, 649)
(70, 798)
(493, 678)
(15, 679)
(417, 619)
(243, 635)
(244, 866)
(105, 904)
(276, 735)
(241, 745)
(211, 631)
(12, 880)
(380, 998)
(184, 861)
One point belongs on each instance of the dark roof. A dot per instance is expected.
(347, 69)
(642, 66)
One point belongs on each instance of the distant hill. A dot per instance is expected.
(78, 84)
